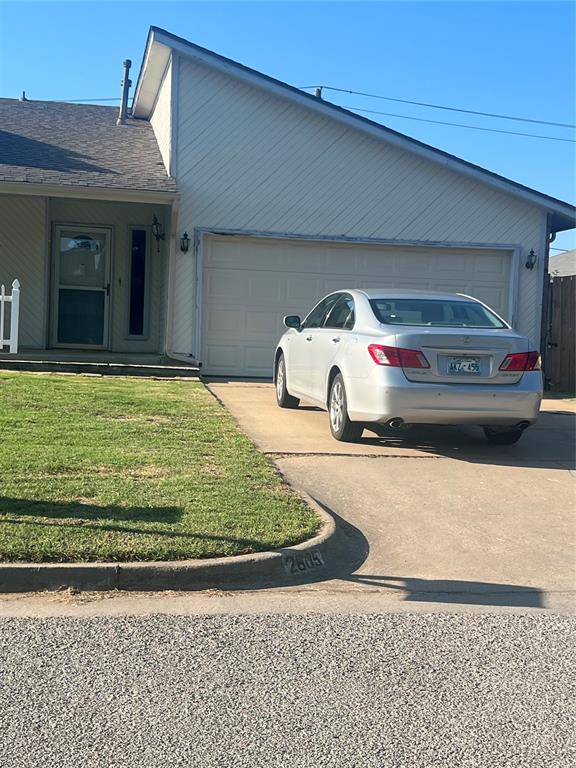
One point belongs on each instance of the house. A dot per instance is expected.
(284, 197)
(563, 264)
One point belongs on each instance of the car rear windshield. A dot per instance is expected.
(434, 312)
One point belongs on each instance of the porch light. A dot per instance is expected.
(184, 242)
(531, 259)
(157, 231)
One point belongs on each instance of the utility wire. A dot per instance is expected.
(78, 101)
(562, 250)
(457, 125)
(441, 106)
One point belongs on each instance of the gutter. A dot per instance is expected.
(88, 193)
(545, 320)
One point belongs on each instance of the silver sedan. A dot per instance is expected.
(395, 358)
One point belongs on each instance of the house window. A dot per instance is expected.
(138, 282)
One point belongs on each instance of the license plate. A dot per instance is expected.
(468, 366)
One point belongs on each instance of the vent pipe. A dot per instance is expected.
(126, 83)
(318, 92)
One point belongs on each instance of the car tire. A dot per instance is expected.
(340, 425)
(502, 436)
(283, 397)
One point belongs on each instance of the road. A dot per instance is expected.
(394, 690)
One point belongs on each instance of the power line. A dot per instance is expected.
(78, 101)
(442, 106)
(562, 250)
(459, 125)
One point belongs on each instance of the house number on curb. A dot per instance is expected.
(295, 564)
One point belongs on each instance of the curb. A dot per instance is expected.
(288, 565)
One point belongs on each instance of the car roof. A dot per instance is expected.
(410, 293)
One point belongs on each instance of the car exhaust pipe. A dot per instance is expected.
(395, 423)
(523, 425)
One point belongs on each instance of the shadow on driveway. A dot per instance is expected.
(551, 442)
(350, 550)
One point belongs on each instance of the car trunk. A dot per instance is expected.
(472, 356)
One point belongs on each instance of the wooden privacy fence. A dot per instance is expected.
(560, 352)
(10, 341)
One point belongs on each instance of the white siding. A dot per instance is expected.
(161, 118)
(249, 160)
(23, 256)
(122, 216)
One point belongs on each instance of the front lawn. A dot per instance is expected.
(132, 469)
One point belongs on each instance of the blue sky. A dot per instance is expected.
(515, 58)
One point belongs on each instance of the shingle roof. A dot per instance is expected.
(45, 142)
(563, 265)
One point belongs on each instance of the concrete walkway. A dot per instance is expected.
(433, 514)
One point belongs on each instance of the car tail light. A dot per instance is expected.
(397, 357)
(521, 361)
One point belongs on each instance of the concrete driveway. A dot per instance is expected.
(432, 514)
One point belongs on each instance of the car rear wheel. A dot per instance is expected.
(283, 397)
(502, 436)
(340, 425)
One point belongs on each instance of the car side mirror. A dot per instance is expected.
(292, 321)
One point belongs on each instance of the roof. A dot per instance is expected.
(44, 142)
(562, 265)
(160, 43)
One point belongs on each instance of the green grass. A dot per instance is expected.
(96, 469)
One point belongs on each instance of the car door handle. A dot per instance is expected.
(336, 339)
(308, 338)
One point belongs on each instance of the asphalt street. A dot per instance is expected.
(358, 690)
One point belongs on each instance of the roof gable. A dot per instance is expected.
(161, 44)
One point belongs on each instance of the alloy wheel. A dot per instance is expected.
(280, 380)
(337, 406)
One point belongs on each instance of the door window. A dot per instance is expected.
(81, 292)
(82, 260)
(342, 314)
(316, 318)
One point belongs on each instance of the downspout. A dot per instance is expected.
(172, 255)
(546, 319)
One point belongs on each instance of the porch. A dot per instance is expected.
(98, 363)
(93, 276)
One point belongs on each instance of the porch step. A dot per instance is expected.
(99, 368)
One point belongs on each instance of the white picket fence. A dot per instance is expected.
(14, 300)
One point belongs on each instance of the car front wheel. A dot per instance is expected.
(502, 436)
(283, 397)
(340, 425)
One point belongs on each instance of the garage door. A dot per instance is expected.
(251, 283)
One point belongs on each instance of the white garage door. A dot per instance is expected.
(251, 283)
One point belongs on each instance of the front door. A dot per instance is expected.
(81, 287)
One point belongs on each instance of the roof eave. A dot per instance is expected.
(560, 222)
(154, 63)
(116, 194)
